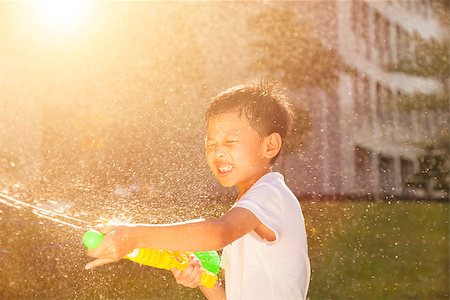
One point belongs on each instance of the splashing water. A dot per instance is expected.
(44, 213)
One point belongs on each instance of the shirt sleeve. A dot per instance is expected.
(224, 259)
(265, 202)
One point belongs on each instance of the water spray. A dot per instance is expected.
(45, 213)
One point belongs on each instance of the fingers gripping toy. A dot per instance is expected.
(165, 259)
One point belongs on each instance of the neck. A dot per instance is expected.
(245, 186)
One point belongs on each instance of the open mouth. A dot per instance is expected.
(224, 169)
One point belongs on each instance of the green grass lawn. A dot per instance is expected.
(378, 250)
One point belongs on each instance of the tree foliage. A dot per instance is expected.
(288, 50)
(433, 171)
(299, 133)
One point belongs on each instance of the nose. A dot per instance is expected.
(219, 152)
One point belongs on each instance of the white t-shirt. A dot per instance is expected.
(258, 269)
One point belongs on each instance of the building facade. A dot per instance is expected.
(373, 143)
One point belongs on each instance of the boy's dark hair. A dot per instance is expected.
(263, 103)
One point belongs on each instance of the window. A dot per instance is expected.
(386, 172)
(399, 43)
(426, 9)
(355, 17)
(365, 27)
(389, 110)
(415, 40)
(362, 167)
(415, 6)
(366, 101)
(386, 42)
(379, 100)
(406, 170)
(423, 8)
(405, 116)
(357, 97)
(408, 44)
(424, 125)
(378, 35)
(407, 4)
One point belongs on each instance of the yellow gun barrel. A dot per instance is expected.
(166, 259)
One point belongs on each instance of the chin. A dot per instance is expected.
(227, 185)
(226, 182)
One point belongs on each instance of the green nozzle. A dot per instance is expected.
(210, 260)
(92, 238)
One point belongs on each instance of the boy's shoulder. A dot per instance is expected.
(271, 178)
(270, 185)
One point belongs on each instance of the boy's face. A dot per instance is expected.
(235, 151)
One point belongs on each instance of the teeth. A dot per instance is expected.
(225, 168)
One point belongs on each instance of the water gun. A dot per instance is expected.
(165, 259)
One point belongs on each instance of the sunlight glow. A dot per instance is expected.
(62, 15)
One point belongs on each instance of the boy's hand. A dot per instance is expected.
(191, 275)
(115, 245)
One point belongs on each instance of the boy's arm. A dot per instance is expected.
(197, 235)
(217, 292)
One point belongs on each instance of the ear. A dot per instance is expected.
(272, 145)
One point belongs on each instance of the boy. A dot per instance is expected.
(265, 254)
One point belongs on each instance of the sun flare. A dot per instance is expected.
(61, 15)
